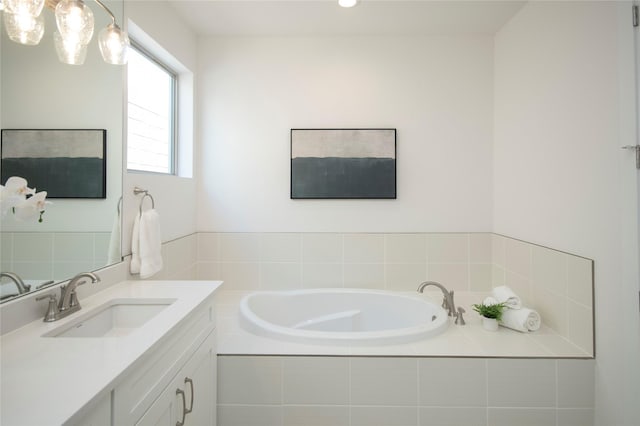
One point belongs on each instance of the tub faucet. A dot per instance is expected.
(447, 302)
(22, 287)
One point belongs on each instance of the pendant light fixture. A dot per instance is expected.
(24, 24)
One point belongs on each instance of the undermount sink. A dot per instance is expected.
(116, 318)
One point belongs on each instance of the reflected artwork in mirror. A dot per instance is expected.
(37, 91)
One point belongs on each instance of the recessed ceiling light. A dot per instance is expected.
(347, 3)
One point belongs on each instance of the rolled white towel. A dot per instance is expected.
(523, 319)
(489, 301)
(504, 294)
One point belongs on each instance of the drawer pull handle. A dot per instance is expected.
(184, 406)
(190, 381)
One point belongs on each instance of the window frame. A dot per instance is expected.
(173, 122)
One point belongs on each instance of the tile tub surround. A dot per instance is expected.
(397, 391)
(557, 284)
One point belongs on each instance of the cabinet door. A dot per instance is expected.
(200, 386)
(192, 388)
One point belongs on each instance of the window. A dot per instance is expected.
(151, 126)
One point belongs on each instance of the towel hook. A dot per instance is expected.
(138, 191)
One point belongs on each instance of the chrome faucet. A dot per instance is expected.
(68, 298)
(22, 287)
(447, 302)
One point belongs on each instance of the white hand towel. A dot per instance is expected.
(504, 294)
(523, 319)
(134, 268)
(150, 244)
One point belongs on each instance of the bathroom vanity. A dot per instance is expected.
(138, 353)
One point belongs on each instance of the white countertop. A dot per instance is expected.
(45, 380)
(470, 340)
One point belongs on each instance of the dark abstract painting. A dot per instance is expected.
(343, 163)
(65, 163)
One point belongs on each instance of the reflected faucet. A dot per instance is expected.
(447, 302)
(22, 287)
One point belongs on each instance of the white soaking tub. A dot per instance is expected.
(342, 316)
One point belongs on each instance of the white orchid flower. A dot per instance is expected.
(14, 192)
(32, 208)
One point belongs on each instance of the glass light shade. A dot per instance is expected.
(114, 45)
(1, 5)
(347, 3)
(69, 50)
(24, 28)
(29, 7)
(74, 18)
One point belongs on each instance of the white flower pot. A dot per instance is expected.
(490, 324)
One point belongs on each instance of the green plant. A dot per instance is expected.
(490, 311)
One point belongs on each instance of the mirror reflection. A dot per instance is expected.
(37, 91)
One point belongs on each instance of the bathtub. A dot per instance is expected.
(342, 316)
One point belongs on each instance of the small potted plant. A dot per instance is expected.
(491, 314)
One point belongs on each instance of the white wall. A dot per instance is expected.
(563, 108)
(175, 197)
(437, 92)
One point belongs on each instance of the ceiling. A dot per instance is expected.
(326, 18)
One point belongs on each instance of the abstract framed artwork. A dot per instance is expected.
(69, 163)
(343, 163)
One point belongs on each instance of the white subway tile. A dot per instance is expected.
(552, 310)
(364, 248)
(208, 246)
(249, 380)
(37, 270)
(66, 270)
(249, 415)
(405, 248)
(498, 250)
(518, 257)
(580, 326)
(240, 275)
(322, 248)
(521, 286)
(322, 275)
(456, 382)
(458, 416)
(364, 275)
(522, 417)
(311, 380)
(383, 416)
(310, 415)
(549, 270)
(280, 247)
(384, 381)
(33, 247)
(454, 276)
(404, 276)
(480, 277)
(208, 271)
(575, 417)
(580, 282)
(280, 276)
(480, 248)
(576, 383)
(239, 247)
(522, 383)
(498, 276)
(446, 248)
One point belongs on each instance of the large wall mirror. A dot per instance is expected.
(39, 92)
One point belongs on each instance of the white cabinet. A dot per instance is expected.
(190, 398)
(179, 373)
